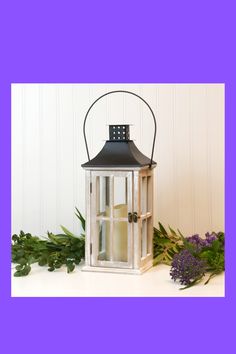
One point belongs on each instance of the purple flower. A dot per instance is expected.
(199, 242)
(210, 238)
(187, 268)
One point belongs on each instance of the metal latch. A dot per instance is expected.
(130, 217)
(133, 217)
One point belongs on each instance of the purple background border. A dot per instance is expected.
(116, 41)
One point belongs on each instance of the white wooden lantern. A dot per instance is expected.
(119, 204)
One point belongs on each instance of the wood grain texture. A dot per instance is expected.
(48, 150)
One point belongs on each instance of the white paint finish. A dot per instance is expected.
(31, 155)
(147, 124)
(81, 101)
(65, 156)
(215, 111)
(166, 195)
(17, 159)
(132, 113)
(97, 118)
(182, 151)
(199, 139)
(49, 157)
(155, 282)
(48, 150)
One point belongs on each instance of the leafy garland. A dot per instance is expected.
(54, 251)
(190, 258)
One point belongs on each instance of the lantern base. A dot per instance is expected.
(118, 270)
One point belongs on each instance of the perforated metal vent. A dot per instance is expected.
(118, 132)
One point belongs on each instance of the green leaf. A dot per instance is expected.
(42, 261)
(51, 269)
(162, 229)
(23, 271)
(209, 278)
(67, 232)
(194, 282)
(158, 259)
(81, 218)
(18, 274)
(182, 236)
(22, 261)
(19, 267)
(27, 269)
(15, 238)
(172, 231)
(166, 245)
(20, 253)
(57, 265)
(215, 245)
(175, 248)
(70, 267)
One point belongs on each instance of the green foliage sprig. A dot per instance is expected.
(214, 256)
(166, 244)
(54, 251)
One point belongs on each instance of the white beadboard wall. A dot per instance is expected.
(48, 150)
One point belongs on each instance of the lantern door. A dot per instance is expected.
(111, 231)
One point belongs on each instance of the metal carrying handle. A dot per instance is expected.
(131, 93)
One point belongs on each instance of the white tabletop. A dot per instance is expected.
(154, 283)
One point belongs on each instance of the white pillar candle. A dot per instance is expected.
(119, 236)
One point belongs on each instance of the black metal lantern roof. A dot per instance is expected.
(119, 151)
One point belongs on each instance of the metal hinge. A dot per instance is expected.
(91, 247)
(90, 187)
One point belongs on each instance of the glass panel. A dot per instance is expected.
(144, 239)
(103, 195)
(103, 233)
(120, 241)
(149, 235)
(120, 192)
(111, 243)
(118, 250)
(144, 195)
(149, 194)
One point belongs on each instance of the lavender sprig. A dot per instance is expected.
(198, 257)
(199, 243)
(186, 268)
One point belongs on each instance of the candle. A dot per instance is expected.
(120, 234)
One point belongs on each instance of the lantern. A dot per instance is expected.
(119, 203)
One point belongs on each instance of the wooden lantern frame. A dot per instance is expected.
(139, 220)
